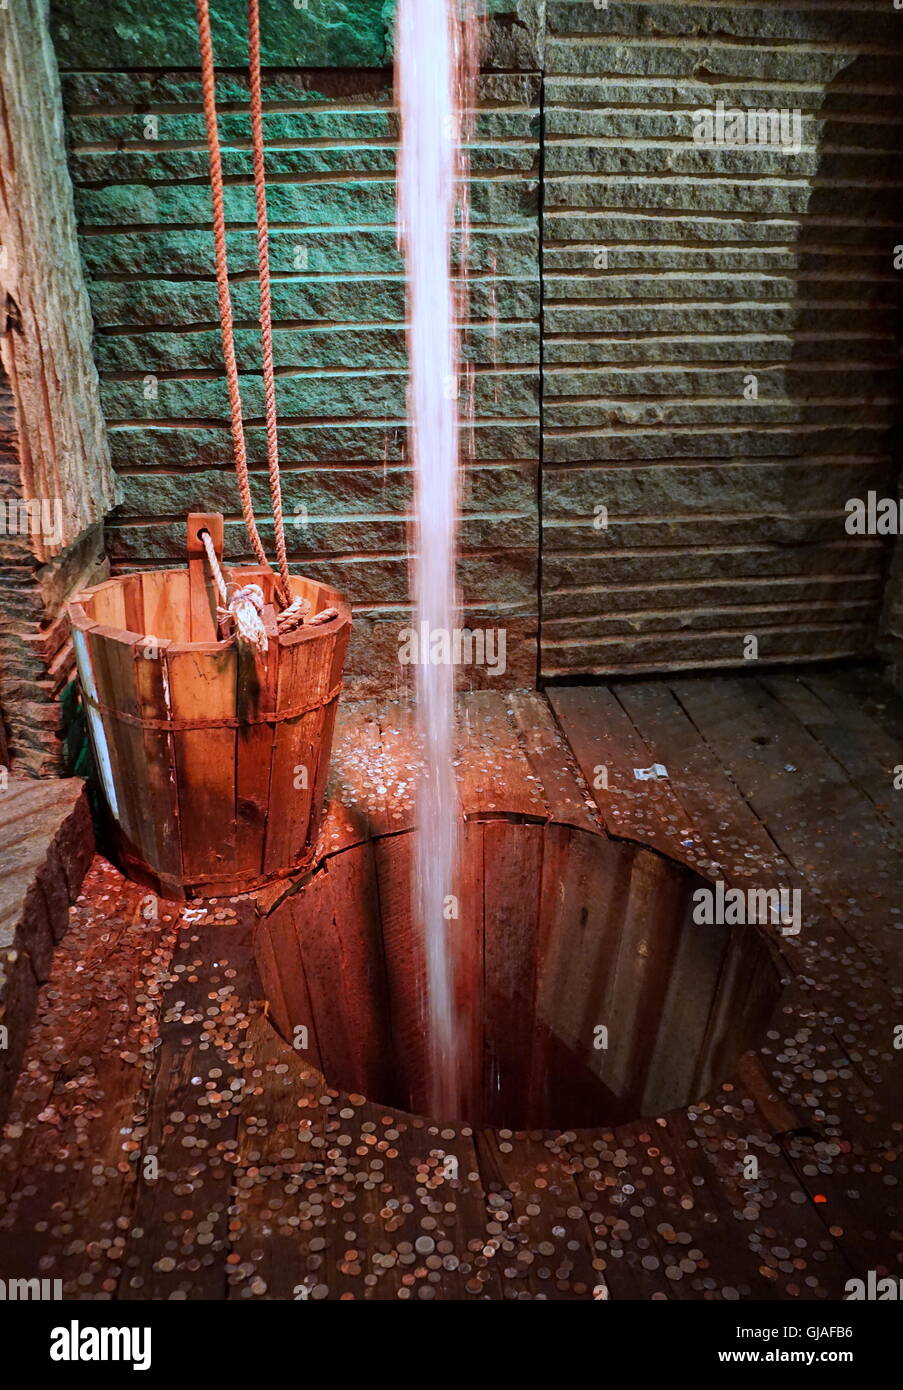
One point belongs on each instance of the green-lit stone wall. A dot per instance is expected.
(139, 164)
(612, 354)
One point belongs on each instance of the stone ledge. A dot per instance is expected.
(46, 845)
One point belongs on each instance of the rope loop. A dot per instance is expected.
(245, 605)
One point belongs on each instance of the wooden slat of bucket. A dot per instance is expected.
(106, 604)
(304, 675)
(166, 605)
(202, 683)
(103, 758)
(256, 695)
(339, 645)
(113, 660)
(159, 751)
(133, 602)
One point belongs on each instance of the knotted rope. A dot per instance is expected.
(245, 606)
(208, 87)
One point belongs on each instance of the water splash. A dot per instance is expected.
(434, 74)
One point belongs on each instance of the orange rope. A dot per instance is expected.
(263, 265)
(208, 85)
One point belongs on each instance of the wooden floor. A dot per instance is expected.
(163, 1142)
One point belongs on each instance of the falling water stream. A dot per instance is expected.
(432, 63)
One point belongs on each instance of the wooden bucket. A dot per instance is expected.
(213, 758)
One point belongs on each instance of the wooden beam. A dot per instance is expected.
(45, 319)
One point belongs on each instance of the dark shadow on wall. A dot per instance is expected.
(843, 374)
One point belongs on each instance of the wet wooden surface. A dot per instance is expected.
(164, 1142)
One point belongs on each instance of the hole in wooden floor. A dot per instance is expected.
(586, 992)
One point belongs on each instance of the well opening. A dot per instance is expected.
(586, 992)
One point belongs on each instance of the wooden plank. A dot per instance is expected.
(707, 1148)
(181, 1235)
(556, 849)
(202, 682)
(533, 1185)
(311, 914)
(152, 701)
(494, 774)
(304, 674)
(566, 794)
(133, 597)
(741, 849)
(405, 968)
(113, 657)
(360, 990)
(631, 1006)
(269, 968)
(684, 1014)
(736, 843)
(330, 713)
(47, 350)
(288, 962)
(839, 845)
(393, 769)
(585, 881)
(855, 1213)
(818, 817)
(867, 753)
(608, 750)
(868, 689)
(84, 1043)
(468, 950)
(166, 606)
(107, 608)
(746, 993)
(278, 1159)
(640, 1245)
(513, 858)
